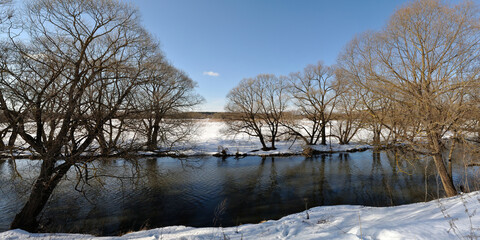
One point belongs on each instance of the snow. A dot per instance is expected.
(449, 218)
(211, 139)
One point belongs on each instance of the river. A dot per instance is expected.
(128, 195)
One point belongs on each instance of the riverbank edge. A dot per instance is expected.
(444, 218)
(5, 155)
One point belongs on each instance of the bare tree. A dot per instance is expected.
(315, 97)
(258, 106)
(167, 91)
(377, 109)
(6, 14)
(426, 60)
(349, 112)
(78, 63)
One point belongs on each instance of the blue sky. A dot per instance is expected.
(242, 38)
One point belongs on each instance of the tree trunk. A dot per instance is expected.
(153, 143)
(13, 136)
(41, 192)
(103, 144)
(154, 138)
(376, 136)
(324, 134)
(311, 140)
(273, 143)
(2, 145)
(450, 158)
(447, 180)
(262, 141)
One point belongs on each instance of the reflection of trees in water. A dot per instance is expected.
(273, 188)
(13, 192)
(413, 174)
(344, 167)
(125, 195)
(172, 192)
(250, 192)
(2, 165)
(380, 191)
(466, 160)
(149, 190)
(321, 188)
(90, 209)
(330, 179)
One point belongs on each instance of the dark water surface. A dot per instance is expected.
(214, 192)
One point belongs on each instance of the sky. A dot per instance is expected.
(220, 42)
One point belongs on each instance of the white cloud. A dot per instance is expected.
(210, 73)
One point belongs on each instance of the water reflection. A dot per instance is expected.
(223, 192)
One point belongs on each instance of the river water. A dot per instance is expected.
(125, 195)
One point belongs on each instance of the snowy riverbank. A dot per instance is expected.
(210, 139)
(450, 218)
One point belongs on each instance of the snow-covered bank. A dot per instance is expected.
(450, 218)
(211, 140)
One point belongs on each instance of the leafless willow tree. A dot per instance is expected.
(427, 61)
(69, 71)
(315, 97)
(349, 112)
(8, 134)
(168, 91)
(258, 106)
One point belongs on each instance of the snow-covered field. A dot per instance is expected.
(210, 139)
(450, 218)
